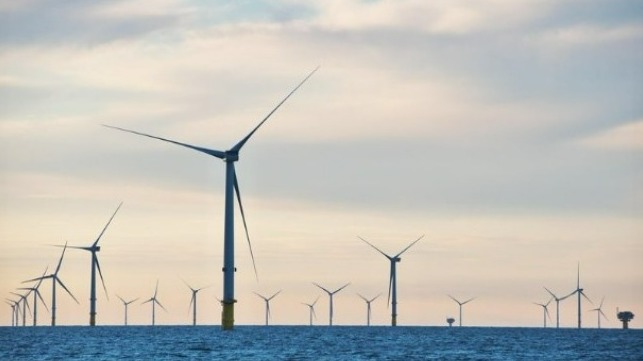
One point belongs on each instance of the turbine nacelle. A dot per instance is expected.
(396, 259)
(231, 156)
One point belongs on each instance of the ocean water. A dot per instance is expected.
(316, 343)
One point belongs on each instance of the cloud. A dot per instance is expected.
(624, 137)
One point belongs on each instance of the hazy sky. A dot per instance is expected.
(509, 133)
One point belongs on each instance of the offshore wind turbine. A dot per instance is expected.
(36, 295)
(392, 286)
(311, 307)
(579, 292)
(155, 302)
(193, 300)
(557, 304)
(545, 311)
(55, 279)
(599, 312)
(25, 305)
(267, 300)
(229, 156)
(330, 295)
(460, 304)
(126, 304)
(14, 311)
(95, 248)
(368, 307)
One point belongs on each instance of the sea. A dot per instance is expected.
(317, 343)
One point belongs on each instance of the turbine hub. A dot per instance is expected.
(231, 156)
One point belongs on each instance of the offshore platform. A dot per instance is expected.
(625, 317)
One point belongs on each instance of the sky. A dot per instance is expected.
(509, 134)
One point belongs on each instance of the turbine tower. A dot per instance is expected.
(392, 286)
(579, 292)
(14, 311)
(368, 307)
(126, 304)
(155, 302)
(311, 307)
(193, 300)
(545, 311)
(36, 295)
(94, 248)
(55, 279)
(557, 304)
(599, 312)
(330, 295)
(267, 300)
(231, 186)
(460, 304)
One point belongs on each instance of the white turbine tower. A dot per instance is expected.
(557, 304)
(231, 186)
(460, 304)
(95, 248)
(392, 286)
(368, 307)
(125, 305)
(545, 311)
(36, 295)
(330, 296)
(55, 279)
(155, 302)
(599, 312)
(267, 301)
(311, 307)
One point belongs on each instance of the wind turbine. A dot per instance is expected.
(599, 312)
(55, 279)
(193, 301)
(311, 307)
(545, 311)
(36, 295)
(460, 304)
(330, 295)
(126, 303)
(155, 302)
(557, 304)
(15, 311)
(579, 292)
(94, 248)
(231, 185)
(25, 306)
(392, 286)
(368, 307)
(267, 300)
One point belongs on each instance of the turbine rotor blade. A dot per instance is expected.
(469, 300)
(377, 249)
(551, 293)
(409, 246)
(212, 152)
(264, 298)
(275, 295)
(453, 298)
(243, 141)
(341, 288)
(243, 217)
(107, 225)
(587, 298)
(159, 303)
(66, 289)
(390, 286)
(156, 289)
(100, 274)
(325, 290)
(42, 300)
(60, 261)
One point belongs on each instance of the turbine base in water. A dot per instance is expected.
(227, 316)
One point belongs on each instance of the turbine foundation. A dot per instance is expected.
(227, 315)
